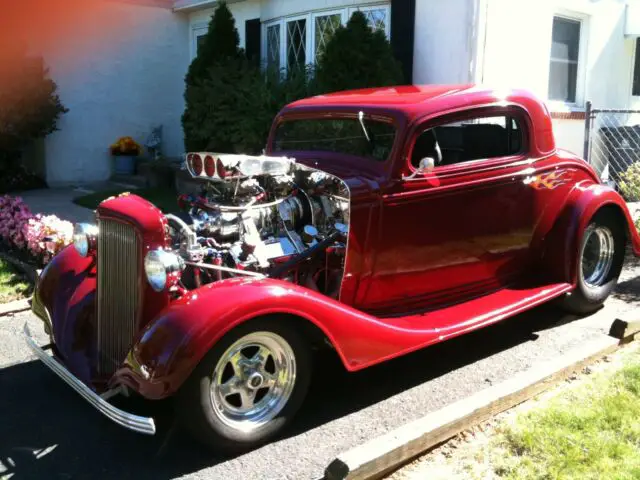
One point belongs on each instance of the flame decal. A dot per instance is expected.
(548, 181)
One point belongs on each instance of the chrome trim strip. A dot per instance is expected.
(130, 421)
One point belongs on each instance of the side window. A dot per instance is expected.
(467, 140)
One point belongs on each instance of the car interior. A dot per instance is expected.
(468, 140)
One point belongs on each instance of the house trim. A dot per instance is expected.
(583, 47)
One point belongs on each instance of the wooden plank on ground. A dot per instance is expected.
(15, 306)
(379, 456)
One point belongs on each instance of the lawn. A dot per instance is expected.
(12, 285)
(590, 433)
(164, 198)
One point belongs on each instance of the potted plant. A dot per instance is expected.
(125, 151)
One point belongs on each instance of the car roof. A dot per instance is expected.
(383, 96)
(415, 101)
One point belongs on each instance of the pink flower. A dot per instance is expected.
(22, 229)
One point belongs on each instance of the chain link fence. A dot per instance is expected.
(612, 141)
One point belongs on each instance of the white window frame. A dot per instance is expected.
(380, 6)
(310, 17)
(265, 52)
(581, 71)
(325, 13)
(197, 30)
(307, 41)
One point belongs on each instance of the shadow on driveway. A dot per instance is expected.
(48, 431)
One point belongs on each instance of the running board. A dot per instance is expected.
(416, 331)
(480, 311)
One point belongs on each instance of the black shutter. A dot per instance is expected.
(252, 40)
(403, 13)
(636, 70)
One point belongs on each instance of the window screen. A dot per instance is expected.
(563, 68)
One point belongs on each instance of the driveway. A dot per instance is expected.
(48, 431)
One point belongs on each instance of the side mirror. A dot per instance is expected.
(427, 164)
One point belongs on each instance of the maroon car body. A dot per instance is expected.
(431, 254)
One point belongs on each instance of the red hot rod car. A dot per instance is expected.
(376, 222)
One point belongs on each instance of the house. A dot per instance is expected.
(567, 51)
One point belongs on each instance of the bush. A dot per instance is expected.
(357, 57)
(211, 82)
(29, 109)
(630, 183)
(260, 96)
(230, 101)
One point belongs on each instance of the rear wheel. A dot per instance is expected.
(600, 262)
(248, 387)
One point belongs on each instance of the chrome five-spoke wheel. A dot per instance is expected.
(597, 255)
(248, 387)
(253, 380)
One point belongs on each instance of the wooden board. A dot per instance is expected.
(385, 453)
(626, 326)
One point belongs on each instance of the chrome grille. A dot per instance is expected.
(118, 292)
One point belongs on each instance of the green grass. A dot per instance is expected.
(12, 285)
(163, 198)
(590, 433)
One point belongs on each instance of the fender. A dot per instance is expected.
(583, 202)
(170, 347)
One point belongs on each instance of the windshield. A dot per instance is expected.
(339, 135)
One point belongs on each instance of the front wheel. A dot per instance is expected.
(248, 387)
(600, 260)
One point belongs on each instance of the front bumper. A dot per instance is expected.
(130, 421)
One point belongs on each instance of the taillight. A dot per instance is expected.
(209, 166)
(196, 164)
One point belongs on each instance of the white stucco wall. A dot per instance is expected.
(569, 135)
(442, 49)
(116, 88)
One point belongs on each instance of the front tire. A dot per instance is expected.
(248, 387)
(600, 260)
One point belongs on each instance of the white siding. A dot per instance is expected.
(442, 50)
(120, 87)
(280, 8)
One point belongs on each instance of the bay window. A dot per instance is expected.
(301, 39)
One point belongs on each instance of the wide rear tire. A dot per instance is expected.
(247, 388)
(600, 260)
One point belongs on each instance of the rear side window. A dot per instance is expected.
(472, 139)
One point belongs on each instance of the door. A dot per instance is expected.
(462, 229)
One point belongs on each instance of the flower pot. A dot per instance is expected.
(125, 164)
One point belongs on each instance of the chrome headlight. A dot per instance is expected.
(84, 238)
(162, 268)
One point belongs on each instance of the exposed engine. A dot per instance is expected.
(262, 215)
